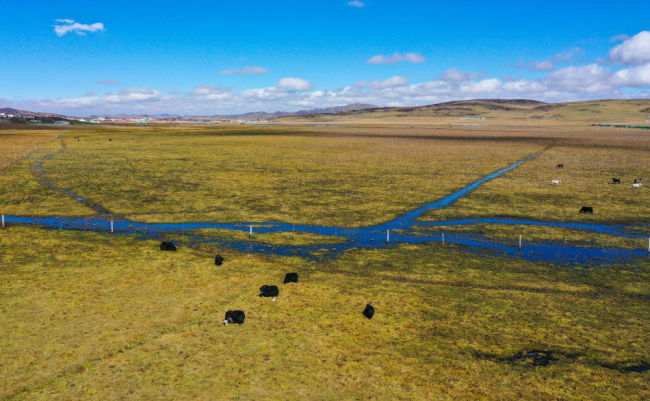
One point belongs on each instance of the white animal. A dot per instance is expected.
(636, 185)
(555, 182)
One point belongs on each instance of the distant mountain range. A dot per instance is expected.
(594, 110)
(8, 110)
(261, 115)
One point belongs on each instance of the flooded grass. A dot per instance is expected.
(276, 238)
(509, 233)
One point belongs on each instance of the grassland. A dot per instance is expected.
(277, 238)
(90, 316)
(352, 176)
(16, 141)
(260, 174)
(586, 180)
(98, 316)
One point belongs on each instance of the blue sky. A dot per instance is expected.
(81, 57)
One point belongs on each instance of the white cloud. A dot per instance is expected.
(576, 82)
(296, 84)
(391, 82)
(637, 76)
(551, 64)
(245, 71)
(619, 38)
(635, 50)
(569, 55)
(210, 92)
(107, 82)
(69, 25)
(396, 58)
(592, 79)
(457, 75)
(546, 65)
(356, 3)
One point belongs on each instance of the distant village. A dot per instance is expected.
(64, 120)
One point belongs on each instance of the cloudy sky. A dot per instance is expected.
(223, 57)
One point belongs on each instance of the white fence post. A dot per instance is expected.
(519, 241)
(250, 235)
(3, 221)
(111, 225)
(443, 238)
(387, 236)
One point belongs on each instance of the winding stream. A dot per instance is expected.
(403, 230)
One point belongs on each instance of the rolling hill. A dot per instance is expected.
(492, 110)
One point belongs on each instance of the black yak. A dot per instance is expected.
(587, 209)
(218, 260)
(167, 246)
(369, 312)
(234, 316)
(269, 291)
(290, 278)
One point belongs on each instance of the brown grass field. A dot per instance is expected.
(95, 316)
(16, 141)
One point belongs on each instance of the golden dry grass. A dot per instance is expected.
(97, 316)
(264, 174)
(586, 180)
(90, 316)
(17, 141)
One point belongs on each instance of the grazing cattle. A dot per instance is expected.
(616, 180)
(555, 182)
(269, 291)
(167, 246)
(587, 209)
(234, 316)
(636, 185)
(638, 180)
(369, 312)
(290, 278)
(560, 165)
(218, 260)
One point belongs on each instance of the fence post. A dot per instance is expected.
(519, 241)
(111, 225)
(3, 221)
(250, 234)
(443, 238)
(388, 236)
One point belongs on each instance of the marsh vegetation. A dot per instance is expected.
(98, 316)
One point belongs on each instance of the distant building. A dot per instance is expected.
(62, 122)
